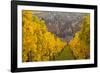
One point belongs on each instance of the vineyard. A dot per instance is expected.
(42, 42)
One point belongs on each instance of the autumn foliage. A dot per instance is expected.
(38, 44)
(80, 44)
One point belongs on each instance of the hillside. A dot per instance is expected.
(62, 24)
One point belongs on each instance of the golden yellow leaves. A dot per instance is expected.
(27, 14)
(38, 43)
(80, 44)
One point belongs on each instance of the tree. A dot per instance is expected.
(38, 43)
(80, 44)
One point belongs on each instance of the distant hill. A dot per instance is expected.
(62, 24)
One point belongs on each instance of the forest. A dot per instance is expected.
(55, 36)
